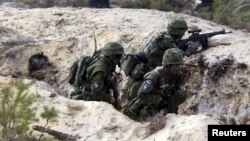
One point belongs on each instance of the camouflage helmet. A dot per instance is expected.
(172, 56)
(177, 26)
(112, 48)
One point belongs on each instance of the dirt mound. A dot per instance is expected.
(217, 86)
(91, 121)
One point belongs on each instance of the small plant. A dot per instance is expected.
(15, 112)
(1, 139)
(49, 114)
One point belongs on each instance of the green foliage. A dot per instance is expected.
(242, 20)
(16, 114)
(233, 13)
(49, 114)
(1, 138)
(47, 139)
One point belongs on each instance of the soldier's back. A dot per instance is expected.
(99, 65)
(156, 47)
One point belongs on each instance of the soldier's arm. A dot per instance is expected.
(148, 85)
(147, 93)
(191, 48)
(166, 43)
(181, 93)
(146, 88)
(97, 87)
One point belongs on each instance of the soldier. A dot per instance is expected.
(135, 67)
(153, 52)
(99, 74)
(160, 89)
(156, 47)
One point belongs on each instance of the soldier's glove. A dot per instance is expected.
(194, 45)
(192, 48)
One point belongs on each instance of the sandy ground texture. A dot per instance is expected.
(217, 87)
(92, 121)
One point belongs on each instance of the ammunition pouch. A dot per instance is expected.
(128, 63)
(139, 71)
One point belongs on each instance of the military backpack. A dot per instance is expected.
(134, 64)
(77, 75)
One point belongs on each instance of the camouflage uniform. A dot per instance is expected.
(134, 66)
(154, 51)
(100, 72)
(160, 89)
(156, 47)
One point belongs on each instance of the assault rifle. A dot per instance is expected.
(197, 37)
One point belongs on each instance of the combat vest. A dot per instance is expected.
(134, 65)
(156, 47)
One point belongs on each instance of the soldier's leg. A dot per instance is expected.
(79, 94)
(152, 106)
(177, 98)
(147, 111)
(133, 89)
(133, 108)
(76, 94)
(181, 96)
(152, 100)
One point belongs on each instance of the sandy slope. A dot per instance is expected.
(91, 121)
(64, 34)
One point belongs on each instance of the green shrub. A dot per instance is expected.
(233, 13)
(15, 112)
(49, 114)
